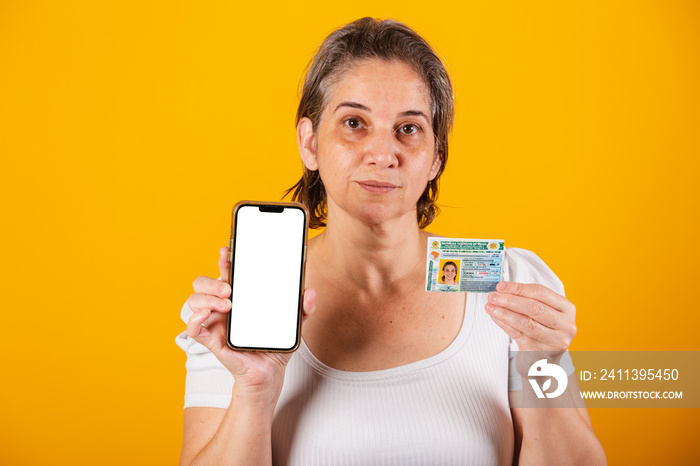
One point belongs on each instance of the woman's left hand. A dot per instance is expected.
(536, 317)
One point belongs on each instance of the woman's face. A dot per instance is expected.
(374, 146)
(449, 271)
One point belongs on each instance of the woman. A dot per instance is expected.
(449, 273)
(386, 372)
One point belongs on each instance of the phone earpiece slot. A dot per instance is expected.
(271, 208)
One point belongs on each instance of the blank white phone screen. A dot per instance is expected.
(267, 263)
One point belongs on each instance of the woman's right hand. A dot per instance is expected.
(256, 374)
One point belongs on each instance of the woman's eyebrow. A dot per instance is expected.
(352, 105)
(414, 113)
(359, 106)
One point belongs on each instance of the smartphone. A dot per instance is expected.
(267, 252)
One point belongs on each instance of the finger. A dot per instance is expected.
(201, 329)
(528, 307)
(200, 302)
(309, 303)
(515, 334)
(194, 326)
(528, 327)
(224, 264)
(207, 285)
(540, 293)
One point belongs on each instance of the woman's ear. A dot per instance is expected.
(436, 165)
(307, 143)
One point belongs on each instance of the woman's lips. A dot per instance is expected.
(377, 186)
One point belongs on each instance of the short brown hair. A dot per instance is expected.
(364, 39)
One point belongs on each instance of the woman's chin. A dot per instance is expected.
(376, 214)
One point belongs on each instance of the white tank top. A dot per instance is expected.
(451, 408)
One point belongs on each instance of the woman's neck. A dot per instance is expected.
(371, 257)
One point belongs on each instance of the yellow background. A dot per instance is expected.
(129, 129)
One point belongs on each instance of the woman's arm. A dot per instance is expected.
(238, 435)
(554, 435)
(241, 434)
(549, 430)
(201, 424)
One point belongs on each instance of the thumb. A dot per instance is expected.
(224, 264)
(309, 302)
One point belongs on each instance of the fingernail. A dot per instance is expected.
(501, 286)
(490, 307)
(493, 297)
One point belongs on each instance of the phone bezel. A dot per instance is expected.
(231, 258)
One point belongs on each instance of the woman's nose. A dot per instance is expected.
(382, 149)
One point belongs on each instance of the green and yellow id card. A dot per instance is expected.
(464, 265)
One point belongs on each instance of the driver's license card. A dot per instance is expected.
(464, 265)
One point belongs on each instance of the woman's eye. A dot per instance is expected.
(409, 129)
(353, 123)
